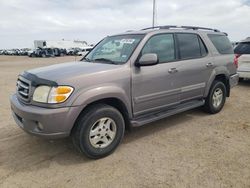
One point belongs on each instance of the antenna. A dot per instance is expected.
(154, 10)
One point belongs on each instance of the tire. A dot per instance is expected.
(215, 101)
(98, 119)
(43, 55)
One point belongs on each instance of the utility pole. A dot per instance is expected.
(153, 13)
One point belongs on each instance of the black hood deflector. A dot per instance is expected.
(36, 81)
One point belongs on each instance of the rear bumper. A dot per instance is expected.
(234, 79)
(44, 122)
(244, 74)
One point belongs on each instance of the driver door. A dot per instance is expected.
(153, 87)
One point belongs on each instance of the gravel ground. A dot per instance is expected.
(192, 149)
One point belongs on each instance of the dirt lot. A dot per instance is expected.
(192, 149)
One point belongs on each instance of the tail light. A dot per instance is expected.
(236, 60)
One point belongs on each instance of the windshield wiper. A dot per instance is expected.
(106, 60)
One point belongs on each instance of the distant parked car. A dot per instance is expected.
(34, 52)
(242, 51)
(42, 52)
(84, 51)
(30, 52)
(16, 52)
(24, 51)
(59, 52)
(73, 51)
(10, 52)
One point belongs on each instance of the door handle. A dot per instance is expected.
(172, 70)
(209, 64)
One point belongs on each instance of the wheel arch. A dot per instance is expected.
(223, 78)
(111, 101)
(221, 75)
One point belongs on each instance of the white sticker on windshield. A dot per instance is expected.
(127, 41)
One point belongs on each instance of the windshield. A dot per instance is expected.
(114, 49)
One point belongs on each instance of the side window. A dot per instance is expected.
(189, 45)
(221, 43)
(162, 45)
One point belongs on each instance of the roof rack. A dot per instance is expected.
(181, 27)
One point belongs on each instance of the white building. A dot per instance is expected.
(65, 44)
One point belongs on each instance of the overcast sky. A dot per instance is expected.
(23, 21)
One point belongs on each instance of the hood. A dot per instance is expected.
(70, 70)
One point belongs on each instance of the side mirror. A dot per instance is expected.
(148, 60)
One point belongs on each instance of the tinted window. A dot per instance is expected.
(189, 46)
(162, 45)
(242, 48)
(221, 43)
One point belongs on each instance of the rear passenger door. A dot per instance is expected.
(194, 68)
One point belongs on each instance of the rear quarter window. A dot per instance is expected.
(242, 48)
(221, 43)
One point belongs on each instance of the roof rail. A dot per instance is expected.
(129, 30)
(182, 27)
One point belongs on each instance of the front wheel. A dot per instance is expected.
(98, 131)
(216, 98)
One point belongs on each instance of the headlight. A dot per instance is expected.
(52, 95)
(41, 94)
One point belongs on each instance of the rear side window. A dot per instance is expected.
(190, 46)
(221, 43)
(162, 45)
(242, 48)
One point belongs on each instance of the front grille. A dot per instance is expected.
(23, 88)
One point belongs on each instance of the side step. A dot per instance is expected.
(145, 119)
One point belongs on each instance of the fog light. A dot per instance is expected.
(40, 126)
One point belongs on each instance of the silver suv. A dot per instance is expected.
(127, 80)
(242, 53)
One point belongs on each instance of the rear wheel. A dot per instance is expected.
(98, 131)
(216, 97)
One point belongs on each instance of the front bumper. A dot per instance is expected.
(44, 122)
(234, 79)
